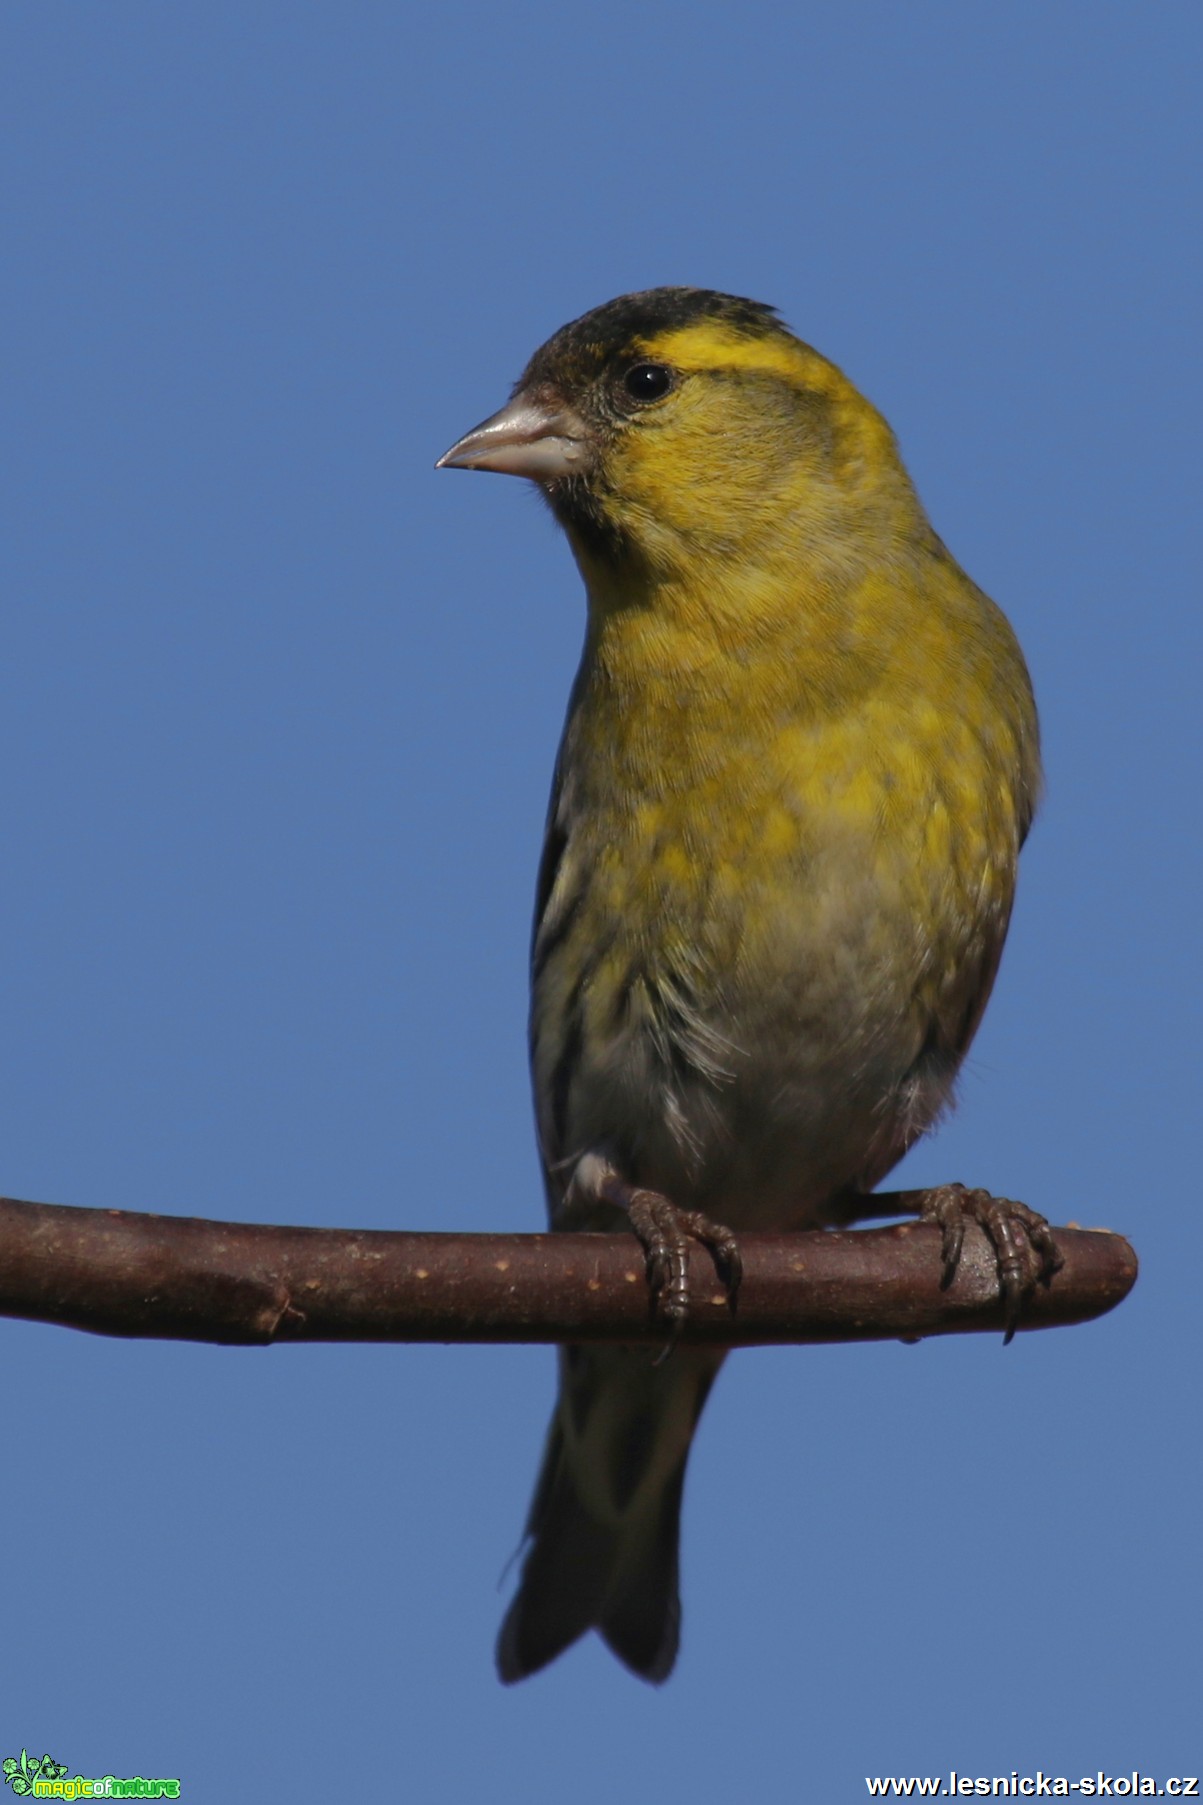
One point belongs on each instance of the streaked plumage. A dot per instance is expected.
(800, 759)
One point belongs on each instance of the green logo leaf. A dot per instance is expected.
(20, 1775)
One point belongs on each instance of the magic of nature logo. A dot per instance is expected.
(46, 1778)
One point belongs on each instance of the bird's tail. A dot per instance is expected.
(604, 1521)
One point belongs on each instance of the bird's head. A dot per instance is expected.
(681, 425)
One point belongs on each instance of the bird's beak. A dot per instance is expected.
(535, 435)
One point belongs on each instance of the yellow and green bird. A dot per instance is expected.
(800, 759)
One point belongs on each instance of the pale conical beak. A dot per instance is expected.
(535, 436)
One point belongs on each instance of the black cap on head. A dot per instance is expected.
(584, 345)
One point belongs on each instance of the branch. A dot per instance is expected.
(182, 1278)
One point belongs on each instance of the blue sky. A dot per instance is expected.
(278, 705)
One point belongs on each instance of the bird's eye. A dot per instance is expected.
(647, 382)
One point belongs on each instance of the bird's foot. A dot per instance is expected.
(1024, 1249)
(665, 1231)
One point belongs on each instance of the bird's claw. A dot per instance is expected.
(1018, 1235)
(665, 1231)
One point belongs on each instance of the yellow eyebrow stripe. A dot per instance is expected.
(709, 345)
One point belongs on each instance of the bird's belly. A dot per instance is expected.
(753, 1055)
(752, 988)
(797, 1110)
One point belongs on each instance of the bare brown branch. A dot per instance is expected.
(183, 1278)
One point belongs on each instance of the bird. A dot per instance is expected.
(800, 758)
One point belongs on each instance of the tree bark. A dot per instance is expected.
(183, 1278)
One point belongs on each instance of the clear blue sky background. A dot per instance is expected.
(279, 705)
